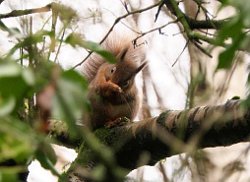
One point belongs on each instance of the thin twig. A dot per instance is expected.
(125, 5)
(130, 28)
(202, 49)
(126, 15)
(180, 53)
(152, 30)
(158, 11)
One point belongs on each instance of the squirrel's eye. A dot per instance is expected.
(113, 70)
(125, 84)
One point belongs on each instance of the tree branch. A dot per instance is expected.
(16, 13)
(176, 131)
(205, 24)
(190, 23)
(170, 133)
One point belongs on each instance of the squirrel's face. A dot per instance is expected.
(123, 74)
(124, 71)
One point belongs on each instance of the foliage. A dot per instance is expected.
(234, 30)
(22, 134)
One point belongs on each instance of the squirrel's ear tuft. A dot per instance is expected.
(143, 65)
(122, 54)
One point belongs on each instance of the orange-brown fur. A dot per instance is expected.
(112, 91)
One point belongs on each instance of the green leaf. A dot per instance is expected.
(14, 79)
(226, 57)
(230, 29)
(16, 82)
(76, 40)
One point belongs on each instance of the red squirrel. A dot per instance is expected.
(112, 91)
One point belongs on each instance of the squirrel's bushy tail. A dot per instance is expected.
(116, 43)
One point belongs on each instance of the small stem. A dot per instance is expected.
(60, 44)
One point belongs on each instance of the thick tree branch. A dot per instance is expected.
(171, 133)
(175, 131)
(190, 23)
(205, 24)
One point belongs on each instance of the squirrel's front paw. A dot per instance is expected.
(114, 88)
